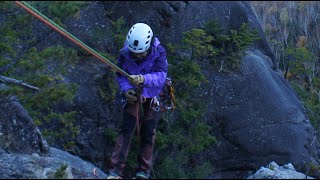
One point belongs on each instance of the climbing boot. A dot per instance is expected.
(141, 175)
(114, 176)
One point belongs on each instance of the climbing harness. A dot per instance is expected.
(164, 102)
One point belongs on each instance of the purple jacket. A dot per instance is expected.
(153, 68)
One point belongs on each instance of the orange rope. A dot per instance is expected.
(69, 36)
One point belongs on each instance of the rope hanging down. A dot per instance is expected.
(69, 36)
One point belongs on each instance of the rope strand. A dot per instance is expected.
(69, 36)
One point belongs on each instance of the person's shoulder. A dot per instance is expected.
(124, 52)
(157, 44)
(161, 49)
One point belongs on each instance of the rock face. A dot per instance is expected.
(24, 153)
(33, 166)
(255, 113)
(18, 133)
(259, 118)
(274, 171)
(169, 19)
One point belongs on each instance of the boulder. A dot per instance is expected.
(24, 153)
(18, 132)
(57, 164)
(274, 171)
(258, 118)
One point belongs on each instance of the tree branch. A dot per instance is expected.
(6, 67)
(17, 82)
(14, 62)
(221, 65)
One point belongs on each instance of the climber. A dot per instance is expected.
(145, 60)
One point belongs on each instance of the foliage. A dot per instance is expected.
(199, 41)
(198, 132)
(301, 65)
(190, 135)
(301, 61)
(60, 172)
(314, 168)
(224, 50)
(171, 49)
(119, 33)
(201, 172)
(189, 138)
(296, 48)
(310, 102)
(44, 69)
(41, 106)
(231, 47)
(111, 135)
(109, 87)
(59, 10)
(63, 9)
(162, 140)
(60, 129)
(186, 75)
(169, 168)
(282, 22)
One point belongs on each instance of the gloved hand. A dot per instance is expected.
(131, 96)
(136, 79)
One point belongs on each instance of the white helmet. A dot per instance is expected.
(139, 38)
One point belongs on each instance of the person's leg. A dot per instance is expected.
(148, 135)
(120, 153)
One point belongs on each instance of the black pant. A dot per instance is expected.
(148, 123)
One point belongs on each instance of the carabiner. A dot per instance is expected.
(143, 99)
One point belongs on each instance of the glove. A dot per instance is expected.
(131, 96)
(136, 79)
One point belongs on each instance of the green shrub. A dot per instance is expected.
(301, 65)
(201, 172)
(119, 33)
(43, 69)
(300, 61)
(200, 43)
(169, 168)
(189, 134)
(59, 10)
(223, 49)
(109, 87)
(111, 135)
(60, 172)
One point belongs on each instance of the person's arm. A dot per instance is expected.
(158, 77)
(122, 80)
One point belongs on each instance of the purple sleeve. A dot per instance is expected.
(122, 80)
(158, 77)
